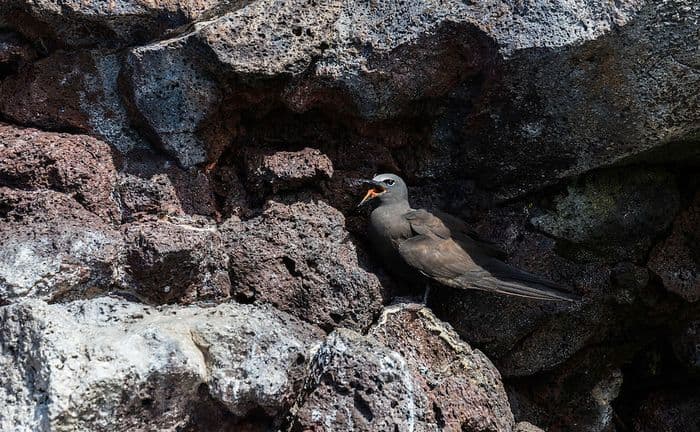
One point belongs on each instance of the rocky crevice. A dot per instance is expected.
(204, 156)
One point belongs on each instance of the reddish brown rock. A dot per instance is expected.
(151, 184)
(74, 91)
(677, 260)
(463, 388)
(14, 52)
(283, 170)
(299, 258)
(176, 260)
(411, 373)
(77, 165)
(53, 248)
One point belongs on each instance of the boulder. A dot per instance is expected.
(53, 248)
(299, 258)
(412, 372)
(676, 260)
(105, 363)
(175, 260)
(77, 165)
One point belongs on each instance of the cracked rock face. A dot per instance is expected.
(202, 159)
(176, 260)
(298, 258)
(53, 248)
(394, 380)
(143, 365)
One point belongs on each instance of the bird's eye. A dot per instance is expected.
(389, 182)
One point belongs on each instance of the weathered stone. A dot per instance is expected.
(77, 165)
(176, 260)
(379, 69)
(120, 22)
(686, 346)
(671, 411)
(53, 248)
(616, 213)
(526, 427)
(358, 383)
(174, 105)
(677, 259)
(74, 91)
(14, 52)
(578, 397)
(298, 258)
(149, 184)
(463, 388)
(104, 364)
(284, 170)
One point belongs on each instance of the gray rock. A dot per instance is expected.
(298, 257)
(284, 170)
(412, 373)
(53, 248)
(176, 260)
(51, 94)
(616, 214)
(120, 22)
(676, 260)
(104, 364)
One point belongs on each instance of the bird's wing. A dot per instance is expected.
(446, 261)
(446, 226)
(425, 223)
(439, 258)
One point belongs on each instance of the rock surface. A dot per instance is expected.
(392, 380)
(203, 152)
(53, 248)
(143, 366)
(176, 260)
(299, 258)
(676, 260)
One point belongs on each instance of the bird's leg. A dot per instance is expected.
(427, 292)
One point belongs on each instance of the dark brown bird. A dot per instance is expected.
(443, 248)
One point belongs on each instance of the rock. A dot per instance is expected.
(374, 71)
(669, 411)
(676, 260)
(118, 23)
(53, 248)
(554, 113)
(103, 364)
(578, 397)
(298, 258)
(77, 165)
(149, 184)
(285, 170)
(359, 383)
(526, 427)
(176, 260)
(14, 52)
(686, 346)
(616, 214)
(50, 94)
(461, 384)
(175, 106)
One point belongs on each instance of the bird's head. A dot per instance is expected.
(387, 188)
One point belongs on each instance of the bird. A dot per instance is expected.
(442, 248)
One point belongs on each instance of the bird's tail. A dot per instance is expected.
(519, 289)
(515, 282)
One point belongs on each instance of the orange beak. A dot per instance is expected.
(371, 194)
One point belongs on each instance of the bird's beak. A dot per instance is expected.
(375, 190)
